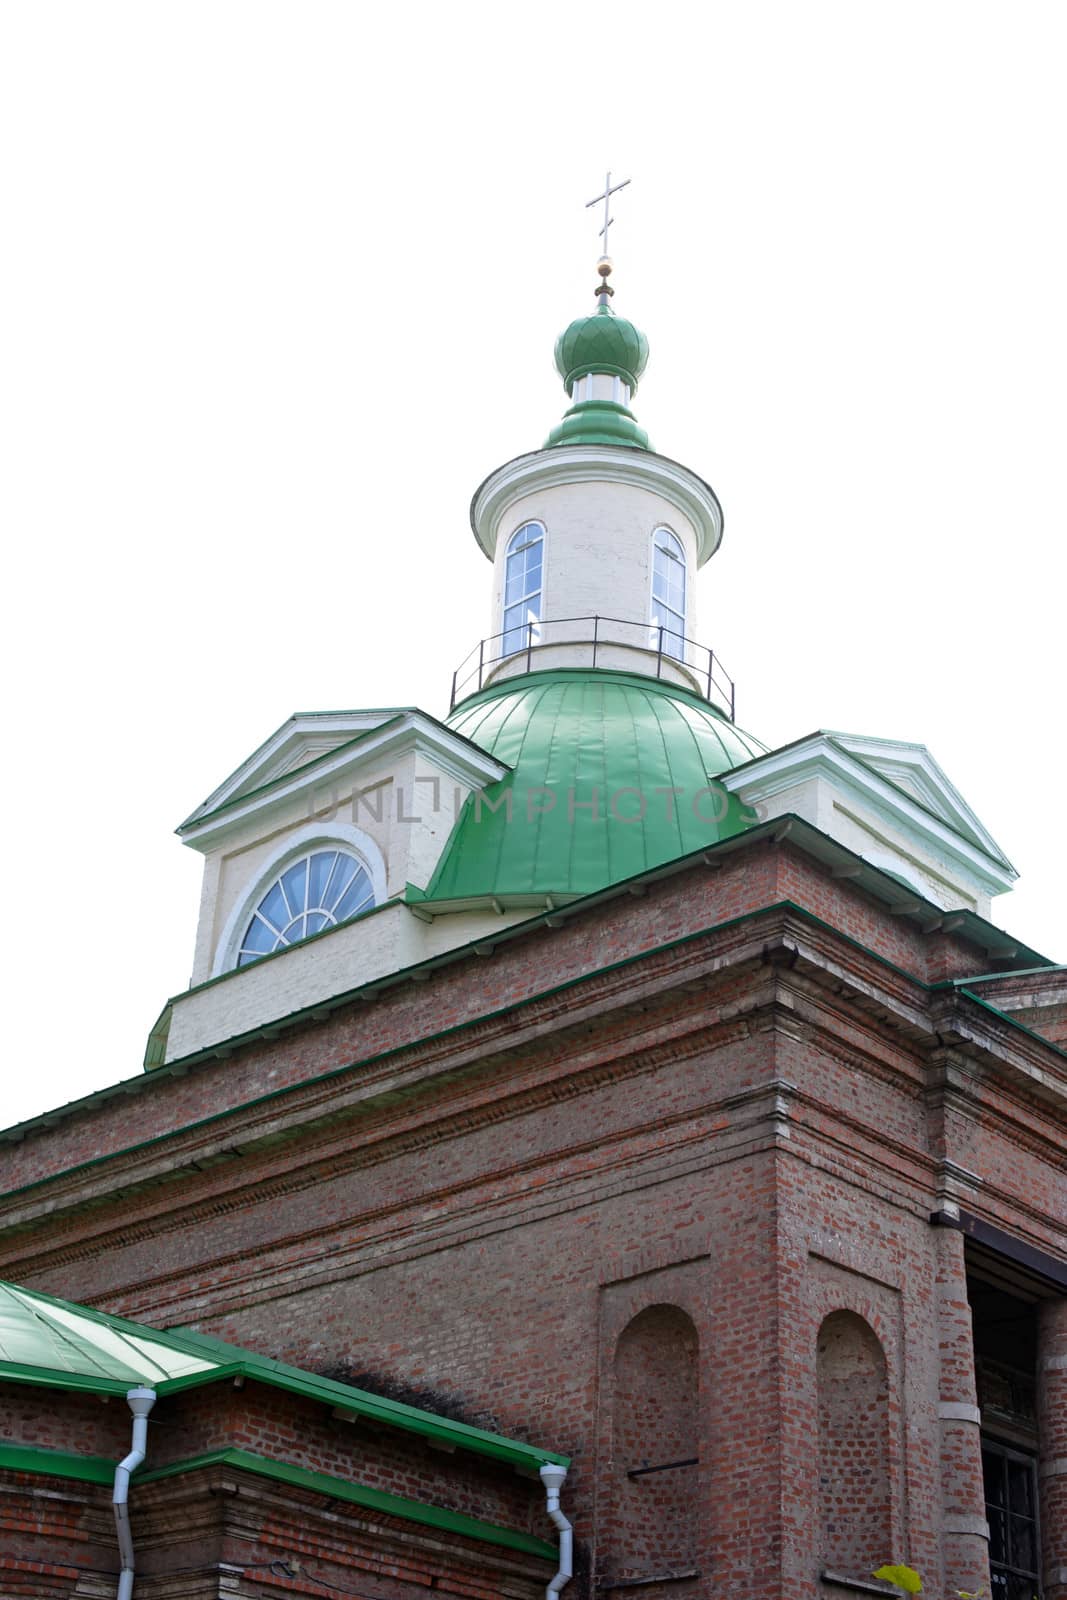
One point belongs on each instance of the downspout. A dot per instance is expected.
(141, 1402)
(553, 1479)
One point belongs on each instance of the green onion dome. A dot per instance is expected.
(612, 774)
(602, 346)
(601, 342)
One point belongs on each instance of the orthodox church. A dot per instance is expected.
(596, 1153)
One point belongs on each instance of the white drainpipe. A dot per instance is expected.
(553, 1478)
(141, 1402)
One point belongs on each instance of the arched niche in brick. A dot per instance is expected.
(655, 1446)
(855, 1492)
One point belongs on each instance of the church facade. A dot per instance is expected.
(596, 1154)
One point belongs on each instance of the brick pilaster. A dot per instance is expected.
(964, 1532)
(1052, 1424)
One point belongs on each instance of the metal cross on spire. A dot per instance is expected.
(609, 190)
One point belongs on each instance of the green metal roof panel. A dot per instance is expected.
(60, 1345)
(599, 422)
(595, 756)
(39, 1333)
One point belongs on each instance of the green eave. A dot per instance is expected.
(100, 1470)
(56, 1463)
(355, 1494)
(599, 422)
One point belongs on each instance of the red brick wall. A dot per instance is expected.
(302, 1433)
(56, 1419)
(1052, 1421)
(753, 1127)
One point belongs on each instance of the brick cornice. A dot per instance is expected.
(308, 1116)
(837, 983)
(290, 1111)
(755, 936)
(542, 1071)
(569, 1084)
(686, 1025)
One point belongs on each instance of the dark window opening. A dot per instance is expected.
(1011, 1510)
(1005, 1362)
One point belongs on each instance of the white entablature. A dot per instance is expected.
(608, 471)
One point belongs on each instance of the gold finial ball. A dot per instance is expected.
(604, 266)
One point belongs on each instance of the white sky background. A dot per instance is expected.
(281, 285)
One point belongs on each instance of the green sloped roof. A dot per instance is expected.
(52, 1336)
(572, 738)
(60, 1345)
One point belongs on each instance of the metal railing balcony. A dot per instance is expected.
(676, 657)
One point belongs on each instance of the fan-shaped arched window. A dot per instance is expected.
(522, 587)
(668, 594)
(317, 891)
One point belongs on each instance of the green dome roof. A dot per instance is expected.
(575, 737)
(601, 342)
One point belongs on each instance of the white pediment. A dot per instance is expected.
(313, 747)
(912, 768)
(887, 801)
(302, 740)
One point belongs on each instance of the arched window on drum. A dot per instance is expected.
(668, 594)
(522, 588)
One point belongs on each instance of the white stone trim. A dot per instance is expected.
(568, 464)
(264, 993)
(956, 1411)
(327, 835)
(977, 1526)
